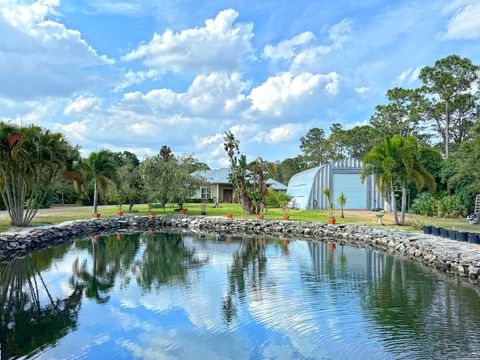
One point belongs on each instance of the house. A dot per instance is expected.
(306, 188)
(275, 185)
(217, 187)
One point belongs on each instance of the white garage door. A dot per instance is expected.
(351, 185)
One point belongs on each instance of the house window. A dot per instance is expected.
(206, 192)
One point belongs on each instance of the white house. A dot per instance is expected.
(217, 187)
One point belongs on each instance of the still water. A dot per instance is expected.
(190, 296)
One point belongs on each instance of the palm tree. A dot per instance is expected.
(101, 167)
(380, 162)
(397, 161)
(31, 159)
(342, 200)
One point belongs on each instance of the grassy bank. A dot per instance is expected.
(59, 214)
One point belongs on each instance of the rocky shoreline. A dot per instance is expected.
(446, 255)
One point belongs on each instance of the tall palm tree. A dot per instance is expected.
(397, 161)
(101, 167)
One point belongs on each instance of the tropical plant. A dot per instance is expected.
(101, 167)
(326, 193)
(31, 161)
(397, 161)
(342, 200)
(239, 173)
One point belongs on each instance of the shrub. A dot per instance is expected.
(443, 206)
(424, 204)
(271, 199)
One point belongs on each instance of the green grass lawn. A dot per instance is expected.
(57, 215)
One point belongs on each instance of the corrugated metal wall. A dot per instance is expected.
(323, 176)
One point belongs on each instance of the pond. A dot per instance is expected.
(192, 296)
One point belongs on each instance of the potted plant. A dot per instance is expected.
(229, 216)
(331, 218)
(153, 213)
(284, 200)
(260, 216)
(96, 215)
(342, 200)
(120, 211)
(183, 211)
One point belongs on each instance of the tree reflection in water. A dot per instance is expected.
(111, 256)
(166, 260)
(404, 301)
(249, 260)
(30, 317)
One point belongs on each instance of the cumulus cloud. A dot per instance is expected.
(222, 44)
(40, 56)
(464, 20)
(282, 133)
(362, 90)
(81, 104)
(302, 51)
(212, 95)
(278, 93)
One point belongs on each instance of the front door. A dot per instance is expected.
(227, 195)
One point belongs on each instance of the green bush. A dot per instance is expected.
(443, 206)
(271, 199)
(424, 204)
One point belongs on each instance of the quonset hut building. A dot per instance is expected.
(306, 187)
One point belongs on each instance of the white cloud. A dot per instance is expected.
(280, 92)
(130, 78)
(42, 57)
(409, 76)
(81, 104)
(213, 95)
(282, 133)
(221, 44)
(287, 49)
(464, 20)
(362, 90)
(302, 52)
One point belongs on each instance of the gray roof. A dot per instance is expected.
(217, 176)
(275, 185)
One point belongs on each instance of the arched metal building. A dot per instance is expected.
(306, 187)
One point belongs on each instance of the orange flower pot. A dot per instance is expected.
(229, 216)
(286, 217)
(120, 213)
(153, 213)
(260, 216)
(183, 212)
(96, 215)
(332, 221)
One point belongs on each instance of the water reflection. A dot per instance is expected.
(207, 296)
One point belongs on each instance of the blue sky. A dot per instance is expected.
(139, 74)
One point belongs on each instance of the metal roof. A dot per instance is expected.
(300, 187)
(217, 176)
(275, 185)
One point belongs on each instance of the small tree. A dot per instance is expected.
(342, 200)
(283, 200)
(326, 192)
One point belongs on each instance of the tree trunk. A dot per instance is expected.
(447, 130)
(95, 197)
(393, 202)
(404, 204)
(342, 213)
(130, 206)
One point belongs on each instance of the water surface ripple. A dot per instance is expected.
(191, 296)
